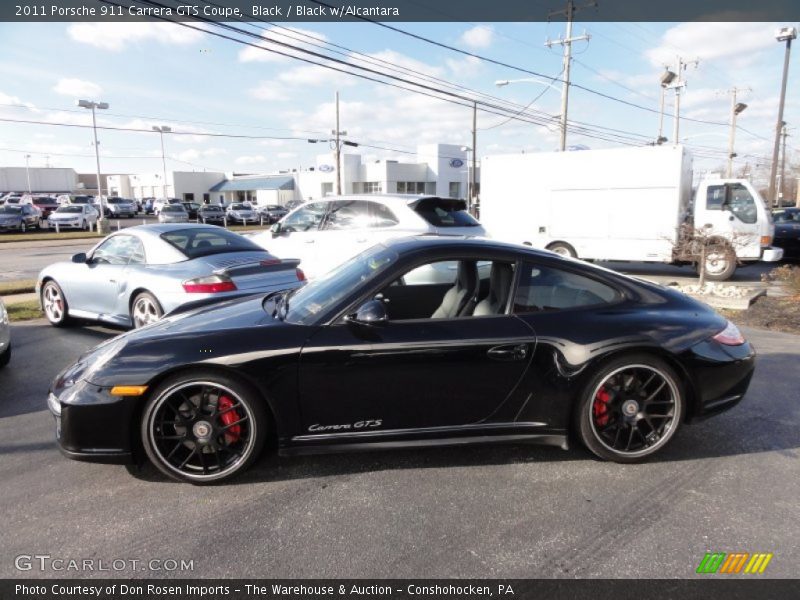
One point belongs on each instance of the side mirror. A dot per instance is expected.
(79, 258)
(372, 312)
(276, 229)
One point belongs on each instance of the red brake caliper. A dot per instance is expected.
(232, 434)
(601, 406)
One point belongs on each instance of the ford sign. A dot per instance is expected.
(326, 168)
(456, 163)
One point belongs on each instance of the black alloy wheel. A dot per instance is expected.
(203, 428)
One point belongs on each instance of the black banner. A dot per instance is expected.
(733, 588)
(398, 10)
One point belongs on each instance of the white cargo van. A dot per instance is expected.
(625, 204)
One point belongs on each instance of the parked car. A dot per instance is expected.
(12, 199)
(73, 216)
(147, 205)
(787, 232)
(159, 203)
(18, 217)
(272, 212)
(121, 207)
(241, 213)
(292, 204)
(327, 232)
(136, 275)
(543, 349)
(46, 205)
(5, 336)
(173, 213)
(211, 213)
(191, 209)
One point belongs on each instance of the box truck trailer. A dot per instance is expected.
(628, 204)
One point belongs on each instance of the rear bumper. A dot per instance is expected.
(771, 254)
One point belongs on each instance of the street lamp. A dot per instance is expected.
(470, 176)
(28, 172)
(666, 79)
(162, 129)
(102, 222)
(784, 34)
(736, 110)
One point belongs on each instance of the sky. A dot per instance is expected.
(198, 84)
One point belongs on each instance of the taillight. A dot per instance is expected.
(300, 275)
(730, 336)
(209, 285)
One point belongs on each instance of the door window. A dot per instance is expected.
(307, 218)
(358, 214)
(742, 204)
(117, 250)
(546, 288)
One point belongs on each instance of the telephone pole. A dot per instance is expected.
(678, 85)
(338, 149)
(782, 192)
(736, 109)
(472, 194)
(785, 34)
(566, 42)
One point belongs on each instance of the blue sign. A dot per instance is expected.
(456, 163)
(326, 168)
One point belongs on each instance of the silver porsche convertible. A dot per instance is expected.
(136, 275)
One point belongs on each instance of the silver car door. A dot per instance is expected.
(107, 274)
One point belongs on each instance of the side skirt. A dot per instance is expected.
(547, 439)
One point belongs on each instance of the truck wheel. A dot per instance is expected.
(563, 249)
(720, 262)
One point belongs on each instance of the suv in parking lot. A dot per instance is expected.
(121, 207)
(325, 233)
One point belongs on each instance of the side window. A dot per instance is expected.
(348, 214)
(742, 204)
(545, 288)
(307, 218)
(117, 250)
(137, 256)
(382, 215)
(715, 196)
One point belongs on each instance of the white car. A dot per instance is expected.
(325, 233)
(73, 216)
(5, 336)
(159, 203)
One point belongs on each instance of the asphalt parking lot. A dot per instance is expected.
(728, 484)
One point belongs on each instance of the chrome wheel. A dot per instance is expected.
(53, 302)
(717, 261)
(201, 431)
(635, 410)
(145, 310)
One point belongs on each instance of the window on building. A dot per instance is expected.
(327, 188)
(455, 189)
(411, 187)
(188, 197)
(206, 198)
(429, 188)
(401, 187)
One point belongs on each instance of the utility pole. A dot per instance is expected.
(472, 194)
(678, 85)
(162, 129)
(566, 42)
(785, 34)
(338, 149)
(27, 171)
(736, 108)
(784, 135)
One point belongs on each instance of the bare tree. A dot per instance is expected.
(705, 248)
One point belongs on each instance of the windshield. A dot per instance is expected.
(213, 208)
(13, 209)
(240, 207)
(322, 293)
(69, 209)
(117, 201)
(199, 241)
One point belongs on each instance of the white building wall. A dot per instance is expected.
(43, 179)
(443, 162)
(179, 183)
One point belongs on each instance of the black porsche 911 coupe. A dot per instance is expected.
(418, 342)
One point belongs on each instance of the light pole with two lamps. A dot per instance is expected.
(103, 226)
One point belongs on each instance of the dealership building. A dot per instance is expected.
(439, 169)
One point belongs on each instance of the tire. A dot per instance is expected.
(145, 309)
(215, 427)
(54, 304)
(720, 262)
(563, 249)
(621, 400)
(5, 357)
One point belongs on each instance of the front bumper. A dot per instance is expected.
(10, 226)
(91, 425)
(771, 254)
(65, 224)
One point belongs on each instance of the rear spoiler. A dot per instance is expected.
(217, 300)
(453, 203)
(258, 267)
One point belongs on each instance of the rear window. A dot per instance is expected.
(173, 208)
(445, 212)
(198, 241)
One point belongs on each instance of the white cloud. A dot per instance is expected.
(287, 154)
(479, 36)
(464, 67)
(251, 159)
(70, 86)
(115, 36)
(271, 91)
(314, 75)
(274, 37)
(193, 154)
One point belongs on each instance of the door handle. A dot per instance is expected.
(309, 241)
(112, 281)
(515, 352)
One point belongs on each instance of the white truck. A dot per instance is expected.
(628, 204)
